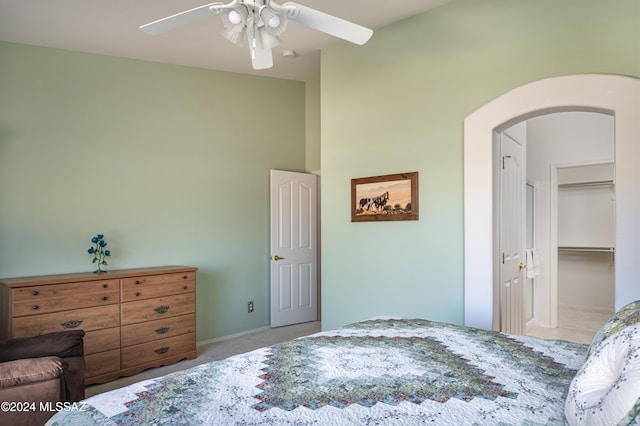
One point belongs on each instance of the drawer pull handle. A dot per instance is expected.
(185, 288)
(35, 292)
(35, 307)
(138, 282)
(71, 324)
(185, 277)
(162, 350)
(105, 285)
(161, 330)
(137, 293)
(161, 309)
(105, 298)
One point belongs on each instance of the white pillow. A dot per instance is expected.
(606, 390)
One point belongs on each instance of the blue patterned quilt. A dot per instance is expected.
(377, 372)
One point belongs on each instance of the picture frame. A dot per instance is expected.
(385, 198)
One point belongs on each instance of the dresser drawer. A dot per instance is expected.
(157, 285)
(101, 340)
(158, 329)
(153, 351)
(40, 305)
(102, 363)
(33, 293)
(87, 319)
(158, 308)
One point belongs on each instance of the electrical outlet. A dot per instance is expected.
(250, 306)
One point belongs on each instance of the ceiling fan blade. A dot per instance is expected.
(329, 24)
(179, 19)
(261, 59)
(261, 56)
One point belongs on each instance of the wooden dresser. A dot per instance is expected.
(134, 319)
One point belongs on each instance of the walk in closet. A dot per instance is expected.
(586, 238)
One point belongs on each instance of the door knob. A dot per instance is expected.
(522, 266)
(276, 258)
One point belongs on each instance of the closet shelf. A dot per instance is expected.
(588, 249)
(585, 184)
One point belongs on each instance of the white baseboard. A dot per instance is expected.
(585, 308)
(535, 323)
(232, 336)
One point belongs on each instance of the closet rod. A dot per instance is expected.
(588, 249)
(579, 184)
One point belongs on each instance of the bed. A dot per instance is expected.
(383, 371)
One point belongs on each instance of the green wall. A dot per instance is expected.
(398, 103)
(313, 119)
(170, 163)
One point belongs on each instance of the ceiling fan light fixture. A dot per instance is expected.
(234, 36)
(267, 39)
(236, 17)
(273, 22)
(234, 23)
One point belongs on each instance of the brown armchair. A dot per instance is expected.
(38, 370)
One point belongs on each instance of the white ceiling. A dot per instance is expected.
(110, 27)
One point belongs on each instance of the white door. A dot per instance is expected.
(294, 264)
(512, 233)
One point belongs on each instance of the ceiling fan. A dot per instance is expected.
(263, 22)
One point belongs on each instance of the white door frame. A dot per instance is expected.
(616, 95)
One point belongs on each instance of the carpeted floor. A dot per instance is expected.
(216, 350)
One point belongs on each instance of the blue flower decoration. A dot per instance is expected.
(98, 252)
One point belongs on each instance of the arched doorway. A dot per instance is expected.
(617, 94)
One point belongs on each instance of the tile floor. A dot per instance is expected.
(215, 351)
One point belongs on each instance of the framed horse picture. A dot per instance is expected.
(388, 197)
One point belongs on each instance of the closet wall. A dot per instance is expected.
(586, 237)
